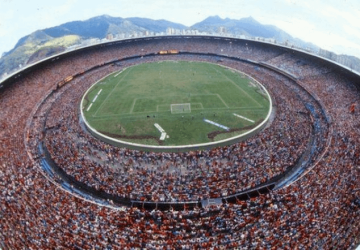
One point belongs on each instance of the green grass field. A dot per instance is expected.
(127, 104)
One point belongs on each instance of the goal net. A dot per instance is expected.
(180, 108)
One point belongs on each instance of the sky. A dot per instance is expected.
(332, 24)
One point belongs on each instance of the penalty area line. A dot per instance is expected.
(242, 117)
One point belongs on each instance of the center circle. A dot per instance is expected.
(175, 105)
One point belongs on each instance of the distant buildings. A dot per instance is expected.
(350, 62)
(109, 36)
(222, 30)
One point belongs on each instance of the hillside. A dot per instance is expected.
(44, 43)
(248, 27)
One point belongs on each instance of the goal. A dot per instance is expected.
(180, 108)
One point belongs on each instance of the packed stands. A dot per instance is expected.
(62, 188)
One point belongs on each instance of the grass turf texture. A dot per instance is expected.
(133, 100)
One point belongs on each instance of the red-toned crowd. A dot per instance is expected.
(319, 211)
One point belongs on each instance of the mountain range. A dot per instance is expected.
(47, 42)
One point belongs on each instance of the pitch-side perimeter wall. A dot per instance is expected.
(208, 145)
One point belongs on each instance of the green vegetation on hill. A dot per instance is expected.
(34, 49)
(43, 43)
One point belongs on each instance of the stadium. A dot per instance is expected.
(289, 181)
(169, 93)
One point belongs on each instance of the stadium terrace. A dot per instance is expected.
(294, 184)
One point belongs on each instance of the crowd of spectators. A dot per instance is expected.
(319, 211)
(186, 176)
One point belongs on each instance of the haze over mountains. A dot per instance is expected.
(47, 42)
(248, 27)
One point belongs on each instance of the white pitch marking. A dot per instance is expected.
(97, 95)
(162, 131)
(216, 124)
(159, 128)
(162, 137)
(89, 107)
(252, 83)
(118, 73)
(244, 118)
(95, 98)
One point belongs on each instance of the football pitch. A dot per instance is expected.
(175, 103)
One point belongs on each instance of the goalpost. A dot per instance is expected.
(180, 108)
